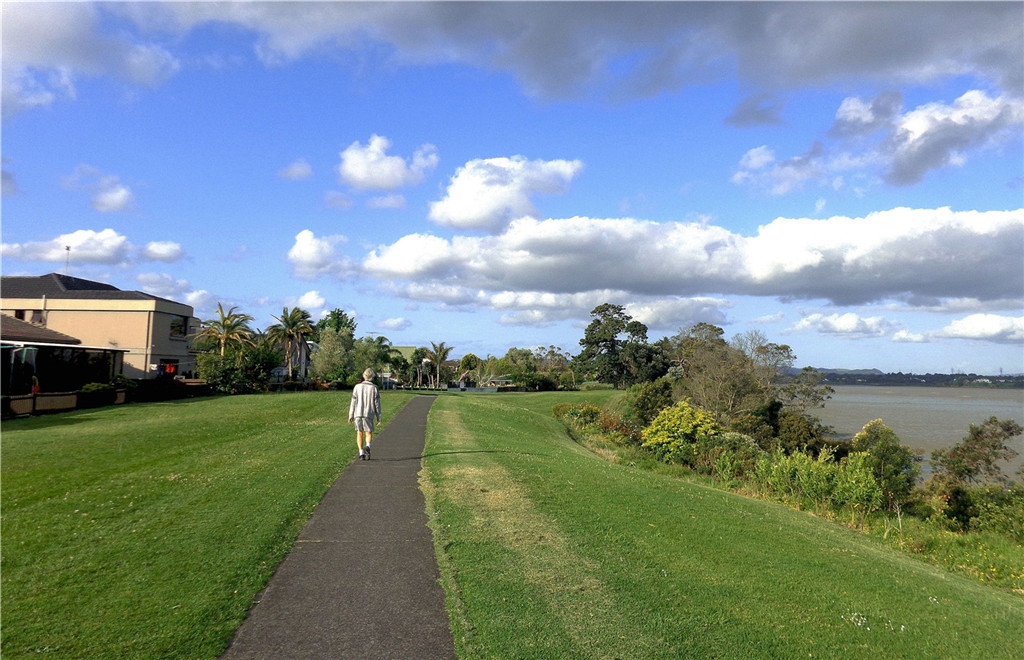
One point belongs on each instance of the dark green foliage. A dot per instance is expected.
(243, 371)
(612, 358)
(645, 400)
(960, 508)
(761, 424)
(798, 431)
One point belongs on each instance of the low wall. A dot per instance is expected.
(20, 405)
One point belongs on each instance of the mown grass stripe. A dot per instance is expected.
(692, 571)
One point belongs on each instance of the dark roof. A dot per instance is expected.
(65, 287)
(13, 329)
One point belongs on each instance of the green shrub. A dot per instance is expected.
(97, 387)
(999, 509)
(121, 382)
(645, 400)
(560, 410)
(856, 486)
(675, 432)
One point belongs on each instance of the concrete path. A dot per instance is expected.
(361, 580)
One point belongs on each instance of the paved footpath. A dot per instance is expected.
(361, 580)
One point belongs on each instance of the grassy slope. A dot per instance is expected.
(146, 530)
(549, 551)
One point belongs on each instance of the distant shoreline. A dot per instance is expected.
(899, 379)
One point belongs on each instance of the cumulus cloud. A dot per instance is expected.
(164, 285)
(398, 323)
(108, 193)
(296, 171)
(95, 247)
(163, 251)
(311, 300)
(47, 46)
(369, 167)
(907, 337)
(849, 324)
(857, 116)
(987, 327)
(490, 193)
(936, 135)
(312, 257)
(900, 147)
(890, 255)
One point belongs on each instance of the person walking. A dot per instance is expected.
(363, 410)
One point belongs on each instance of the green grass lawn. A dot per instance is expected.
(146, 530)
(549, 551)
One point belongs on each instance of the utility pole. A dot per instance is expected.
(67, 260)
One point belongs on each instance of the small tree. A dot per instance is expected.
(976, 457)
(894, 466)
(230, 328)
(290, 331)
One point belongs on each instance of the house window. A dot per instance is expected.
(179, 327)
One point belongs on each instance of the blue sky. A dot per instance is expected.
(846, 178)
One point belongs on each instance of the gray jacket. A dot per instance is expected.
(365, 401)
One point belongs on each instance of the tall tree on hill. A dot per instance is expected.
(229, 328)
(290, 331)
(617, 359)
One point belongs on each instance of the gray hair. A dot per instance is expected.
(368, 374)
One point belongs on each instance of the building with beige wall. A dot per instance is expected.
(155, 332)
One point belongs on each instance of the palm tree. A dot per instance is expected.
(291, 330)
(438, 353)
(232, 327)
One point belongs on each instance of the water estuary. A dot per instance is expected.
(924, 418)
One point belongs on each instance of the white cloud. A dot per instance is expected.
(311, 300)
(387, 202)
(116, 197)
(929, 137)
(87, 246)
(47, 46)
(907, 337)
(163, 251)
(370, 168)
(849, 324)
(897, 255)
(312, 257)
(398, 323)
(200, 299)
(936, 135)
(489, 194)
(987, 327)
(296, 171)
(108, 193)
(95, 247)
(164, 285)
